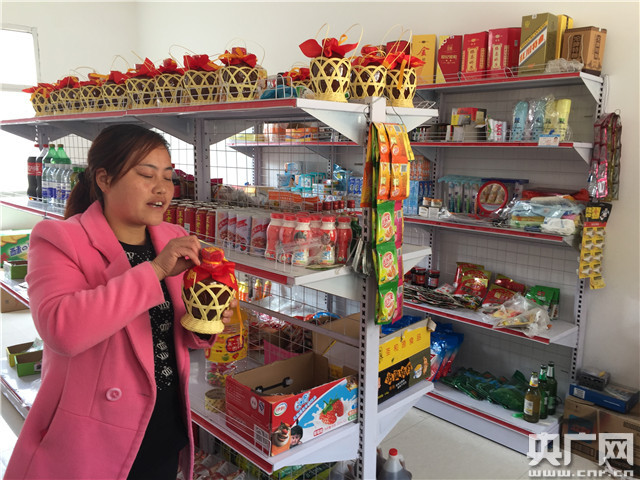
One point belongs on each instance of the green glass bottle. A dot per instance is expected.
(544, 393)
(552, 389)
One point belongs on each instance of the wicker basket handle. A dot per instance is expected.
(402, 32)
(116, 57)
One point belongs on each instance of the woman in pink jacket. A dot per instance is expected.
(105, 295)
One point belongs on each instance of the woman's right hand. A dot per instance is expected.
(177, 256)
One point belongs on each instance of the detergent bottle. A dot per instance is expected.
(393, 468)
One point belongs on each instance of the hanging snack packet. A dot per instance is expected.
(495, 297)
(506, 282)
(399, 162)
(386, 262)
(384, 165)
(399, 221)
(387, 302)
(385, 222)
(367, 180)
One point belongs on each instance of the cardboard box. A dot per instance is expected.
(613, 422)
(340, 355)
(449, 59)
(311, 401)
(15, 269)
(418, 189)
(14, 351)
(468, 115)
(503, 48)
(615, 397)
(585, 45)
(537, 43)
(469, 133)
(474, 55)
(564, 22)
(9, 303)
(424, 47)
(404, 359)
(14, 245)
(29, 363)
(581, 417)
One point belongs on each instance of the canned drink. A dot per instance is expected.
(190, 218)
(170, 214)
(210, 226)
(180, 209)
(201, 223)
(258, 289)
(243, 291)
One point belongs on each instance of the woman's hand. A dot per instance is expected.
(228, 313)
(177, 256)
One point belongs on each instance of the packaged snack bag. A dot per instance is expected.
(543, 296)
(462, 266)
(384, 165)
(399, 221)
(495, 297)
(387, 302)
(386, 262)
(385, 222)
(399, 162)
(509, 284)
(367, 179)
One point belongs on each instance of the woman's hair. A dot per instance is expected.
(117, 149)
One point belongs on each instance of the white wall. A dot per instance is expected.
(73, 34)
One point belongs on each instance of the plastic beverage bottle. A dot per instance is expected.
(327, 241)
(32, 173)
(53, 168)
(393, 468)
(552, 388)
(301, 238)
(287, 231)
(61, 176)
(273, 235)
(44, 149)
(343, 239)
(315, 237)
(532, 400)
(543, 387)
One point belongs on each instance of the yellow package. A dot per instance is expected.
(399, 163)
(384, 166)
(367, 180)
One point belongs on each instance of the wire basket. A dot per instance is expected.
(169, 89)
(367, 81)
(240, 82)
(141, 92)
(114, 96)
(201, 86)
(330, 78)
(401, 87)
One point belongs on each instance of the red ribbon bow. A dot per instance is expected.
(117, 77)
(330, 48)
(298, 74)
(238, 56)
(94, 79)
(169, 65)
(145, 69)
(401, 61)
(214, 266)
(371, 55)
(201, 63)
(41, 88)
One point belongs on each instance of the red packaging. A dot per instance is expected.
(474, 55)
(327, 254)
(301, 238)
(343, 239)
(286, 237)
(273, 235)
(210, 225)
(180, 214)
(170, 214)
(502, 52)
(402, 46)
(449, 59)
(201, 222)
(190, 218)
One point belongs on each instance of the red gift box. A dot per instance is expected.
(449, 59)
(502, 51)
(474, 55)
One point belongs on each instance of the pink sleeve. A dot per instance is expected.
(70, 313)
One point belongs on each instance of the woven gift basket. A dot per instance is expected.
(40, 98)
(300, 77)
(141, 85)
(368, 74)
(240, 76)
(201, 80)
(401, 77)
(208, 291)
(330, 70)
(65, 96)
(169, 83)
(91, 92)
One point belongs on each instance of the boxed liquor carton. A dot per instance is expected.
(564, 22)
(449, 58)
(585, 45)
(424, 48)
(264, 404)
(503, 49)
(537, 43)
(615, 397)
(474, 55)
(14, 245)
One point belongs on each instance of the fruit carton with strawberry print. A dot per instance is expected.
(289, 402)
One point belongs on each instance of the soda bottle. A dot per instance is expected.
(542, 386)
(532, 400)
(31, 174)
(62, 189)
(52, 156)
(552, 389)
(343, 239)
(40, 170)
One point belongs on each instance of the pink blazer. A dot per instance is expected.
(98, 387)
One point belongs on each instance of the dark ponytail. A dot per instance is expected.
(117, 149)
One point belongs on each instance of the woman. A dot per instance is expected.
(104, 290)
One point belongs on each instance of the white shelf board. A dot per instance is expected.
(560, 333)
(484, 418)
(340, 281)
(391, 411)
